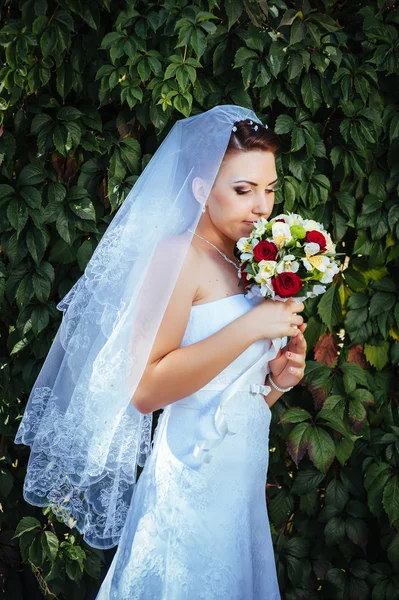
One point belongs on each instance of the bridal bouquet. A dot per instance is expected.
(287, 257)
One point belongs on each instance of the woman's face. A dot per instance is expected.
(243, 191)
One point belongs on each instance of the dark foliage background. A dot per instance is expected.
(88, 90)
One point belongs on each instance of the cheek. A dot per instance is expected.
(230, 204)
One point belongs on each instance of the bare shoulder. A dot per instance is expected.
(177, 314)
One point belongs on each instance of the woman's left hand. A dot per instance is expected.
(288, 367)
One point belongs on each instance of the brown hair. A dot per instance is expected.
(246, 138)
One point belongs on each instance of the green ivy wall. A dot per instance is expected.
(88, 90)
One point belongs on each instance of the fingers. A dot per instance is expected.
(297, 320)
(297, 359)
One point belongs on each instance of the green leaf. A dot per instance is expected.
(363, 396)
(329, 307)
(357, 531)
(381, 302)
(333, 406)
(280, 506)
(36, 552)
(40, 319)
(337, 494)
(37, 241)
(325, 21)
(40, 122)
(85, 253)
(317, 373)
(233, 10)
(390, 500)
(295, 415)
(377, 356)
(376, 476)
(198, 42)
(353, 374)
(69, 113)
(17, 214)
(297, 441)
(50, 545)
(311, 92)
(48, 41)
(393, 551)
(26, 524)
(6, 191)
(305, 480)
(31, 175)
(357, 414)
(334, 531)
(321, 448)
(343, 450)
(41, 286)
(298, 32)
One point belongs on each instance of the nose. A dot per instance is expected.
(263, 207)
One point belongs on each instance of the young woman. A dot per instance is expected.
(196, 526)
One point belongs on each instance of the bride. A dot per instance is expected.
(158, 321)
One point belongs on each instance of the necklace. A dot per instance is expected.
(221, 253)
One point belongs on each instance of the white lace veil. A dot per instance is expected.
(86, 436)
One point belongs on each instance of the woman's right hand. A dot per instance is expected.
(272, 319)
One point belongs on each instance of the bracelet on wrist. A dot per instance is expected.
(276, 387)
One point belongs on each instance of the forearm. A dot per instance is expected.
(274, 394)
(185, 370)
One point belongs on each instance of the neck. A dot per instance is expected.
(221, 241)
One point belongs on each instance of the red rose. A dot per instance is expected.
(244, 275)
(286, 284)
(265, 250)
(318, 238)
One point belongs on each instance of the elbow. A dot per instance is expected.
(141, 404)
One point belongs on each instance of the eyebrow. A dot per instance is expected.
(251, 182)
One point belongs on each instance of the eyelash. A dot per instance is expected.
(241, 192)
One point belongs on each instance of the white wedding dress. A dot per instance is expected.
(199, 529)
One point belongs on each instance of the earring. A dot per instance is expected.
(204, 208)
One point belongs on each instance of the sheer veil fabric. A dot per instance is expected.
(86, 437)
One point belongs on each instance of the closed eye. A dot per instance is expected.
(242, 192)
